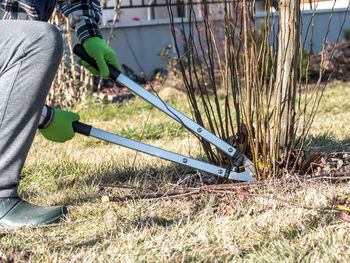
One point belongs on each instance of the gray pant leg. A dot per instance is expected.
(30, 53)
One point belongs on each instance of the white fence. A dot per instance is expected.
(327, 26)
(138, 43)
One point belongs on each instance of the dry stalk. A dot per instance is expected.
(70, 85)
(267, 114)
(159, 196)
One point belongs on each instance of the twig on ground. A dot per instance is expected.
(158, 195)
(324, 177)
(217, 189)
(193, 193)
(128, 186)
(278, 199)
(225, 189)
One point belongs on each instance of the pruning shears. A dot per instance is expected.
(242, 168)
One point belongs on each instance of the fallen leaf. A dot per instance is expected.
(315, 158)
(346, 157)
(344, 216)
(241, 194)
(147, 229)
(319, 171)
(228, 209)
(195, 196)
(339, 164)
(70, 183)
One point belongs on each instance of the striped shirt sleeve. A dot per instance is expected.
(84, 15)
(16, 10)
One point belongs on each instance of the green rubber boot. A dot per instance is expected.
(15, 212)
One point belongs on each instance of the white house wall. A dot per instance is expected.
(326, 5)
(321, 23)
(137, 44)
(127, 15)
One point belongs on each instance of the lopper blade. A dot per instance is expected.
(247, 175)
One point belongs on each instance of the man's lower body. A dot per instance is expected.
(30, 53)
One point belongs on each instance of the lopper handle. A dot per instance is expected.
(80, 52)
(81, 128)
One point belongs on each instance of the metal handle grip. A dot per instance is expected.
(80, 52)
(82, 128)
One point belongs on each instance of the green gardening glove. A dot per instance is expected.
(60, 129)
(98, 49)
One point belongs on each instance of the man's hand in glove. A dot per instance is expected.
(60, 129)
(98, 49)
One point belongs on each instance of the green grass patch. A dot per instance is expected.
(190, 229)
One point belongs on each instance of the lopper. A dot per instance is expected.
(241, 170)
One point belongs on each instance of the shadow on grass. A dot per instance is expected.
(147, 176)
(309, 223)
(327, 143)
(295, 233)
(148, 222)
(98, 239)
(109, 180)
(3, 234)
(89, 243)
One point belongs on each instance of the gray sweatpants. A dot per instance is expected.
(30, 53)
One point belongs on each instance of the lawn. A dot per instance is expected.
(276, 223)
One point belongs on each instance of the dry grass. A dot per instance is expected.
(192, 229)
